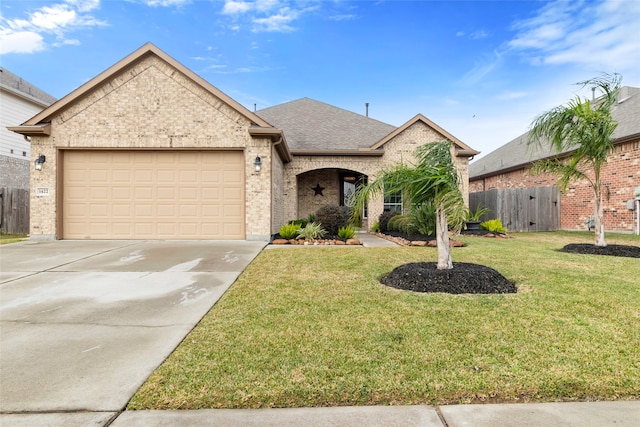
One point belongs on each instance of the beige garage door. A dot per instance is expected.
(153, 195)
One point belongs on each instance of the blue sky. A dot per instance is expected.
(483, 70)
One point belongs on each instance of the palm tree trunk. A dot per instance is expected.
(442, 240)
(599, 220)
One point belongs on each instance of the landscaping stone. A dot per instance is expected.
(280, 242)
(353, 242)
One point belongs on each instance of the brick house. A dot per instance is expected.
(149, 150)
(509, 167)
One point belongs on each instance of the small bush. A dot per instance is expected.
(346, 232)
(333, 217)
(383, 220)
(289, 231)
(301, 223)
(494, 226)
(424, 218)
(313, 230)
(394, 222)
(403, 224)
(376, 227)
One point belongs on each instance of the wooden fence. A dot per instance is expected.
(521, 209)
(14, 210)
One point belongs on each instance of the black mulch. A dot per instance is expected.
(464, 278)
(611, 250)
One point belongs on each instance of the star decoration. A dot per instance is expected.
(317, 190)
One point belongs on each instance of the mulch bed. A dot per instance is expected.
(610, 250)
(464, 278)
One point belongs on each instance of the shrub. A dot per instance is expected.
(383, 220)
(289, 231)
(405, 224)
(424, 219)
(332, 217)
(313, 230)
(346, 232)
(376, 227)
(494, 226)
(301, 223)
(477, 214)
(394, 222)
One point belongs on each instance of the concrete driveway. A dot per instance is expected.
(84, 323)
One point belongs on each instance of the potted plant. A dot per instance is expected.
(472, 220)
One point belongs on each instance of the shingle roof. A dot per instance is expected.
(19, 86)
(516, 153)
(313, 125)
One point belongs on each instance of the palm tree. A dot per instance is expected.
(433, 179)
(585, 129)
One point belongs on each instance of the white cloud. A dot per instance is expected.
(480, 34)
(510, 95)
(267, 15)
(584, 33)
(166, 3)
(20, 35)
(482, 68)
(343, 17)
(20, 42)
(236, 7)
(276, 23)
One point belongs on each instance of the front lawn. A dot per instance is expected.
(314, 327)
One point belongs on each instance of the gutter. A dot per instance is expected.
(361, 152)
(277, 138)
(32, 130)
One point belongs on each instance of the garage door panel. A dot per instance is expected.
(153, 195)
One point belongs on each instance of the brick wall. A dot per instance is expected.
(620, 176)
(277, 194)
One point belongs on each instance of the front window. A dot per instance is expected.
(393, 202)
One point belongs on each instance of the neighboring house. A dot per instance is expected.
(19, 100)
(149, 150)
(509, 167)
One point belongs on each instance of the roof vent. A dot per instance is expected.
(366, 106)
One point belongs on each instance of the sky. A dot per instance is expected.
(482, 70)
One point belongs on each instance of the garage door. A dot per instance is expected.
(153, 195)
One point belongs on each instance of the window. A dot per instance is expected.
(393, 202)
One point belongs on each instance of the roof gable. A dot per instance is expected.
(314, 125)
(462, 149)
(46, 115)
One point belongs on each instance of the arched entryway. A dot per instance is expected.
(329, 186)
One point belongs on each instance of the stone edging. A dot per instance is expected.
(319, 242)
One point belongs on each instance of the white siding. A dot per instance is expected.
(13, 112)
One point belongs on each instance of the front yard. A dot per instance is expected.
(314, 327)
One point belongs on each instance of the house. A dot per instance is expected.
(150, 150)
(20, 100)
(509, 167)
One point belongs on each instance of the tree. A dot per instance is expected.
(584, 129)
(435, 179)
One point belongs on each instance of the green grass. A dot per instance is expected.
(315, 328)
(11, 238)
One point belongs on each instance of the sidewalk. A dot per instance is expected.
(558, 414)
(573, 414)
